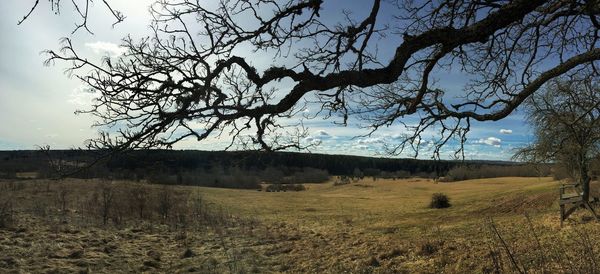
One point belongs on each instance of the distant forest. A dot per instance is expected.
(232, 169)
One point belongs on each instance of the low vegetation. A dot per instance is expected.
(439, 200)
(383, 226)
(342, 180)
(285, 187)
(461, 173)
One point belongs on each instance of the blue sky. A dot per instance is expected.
(38, 102)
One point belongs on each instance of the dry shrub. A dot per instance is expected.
(139, 200)
(165, 202)
(307, 175)
(121, 208)
(560, 172)
(12, 185)
(517, 250)
(429, 248)
(104, 203)
(461, 173)
(106, 200)
(439, 200)
(285, 187)
(6, 213)
(342, 180)
(62, 196)
(234, 178)
(39, 208)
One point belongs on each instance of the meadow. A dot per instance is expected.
(506, 225)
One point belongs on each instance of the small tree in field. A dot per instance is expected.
(566, 122)
(107, 195)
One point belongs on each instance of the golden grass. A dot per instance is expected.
(377, 226)
(383, 202)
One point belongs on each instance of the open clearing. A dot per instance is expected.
(382, 226)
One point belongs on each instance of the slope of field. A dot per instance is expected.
(383, 226)
(392, 203)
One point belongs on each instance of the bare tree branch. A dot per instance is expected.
(191, 78)
(566, 122)
(82, 10)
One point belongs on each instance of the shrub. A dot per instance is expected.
(560, 172)
(308, 175)
(429, 248)
(460, 173)
(285, 187)
(138, 200)
(62, 198)
(106, 200)
(165, 202)
(296, 187)
(439, 200)
(342, 180)
(39, 208)
(6, 214)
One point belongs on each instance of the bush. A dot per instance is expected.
(232, 178)
(460, 173)
(285, 187)
(342, 180)
(6, 214)
(307, 175)
(296, 187)
(429, 248)
(439, 200)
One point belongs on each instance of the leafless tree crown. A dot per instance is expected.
(195, 76)
(565, 117)
(82, 9)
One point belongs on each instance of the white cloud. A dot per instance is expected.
(506, 131)
(313, 141)
(81, 96)
(417, 141)
(371, 140)
(398, 136)
(491, 141)
(322, 134)
(109, 48)
(361, 147)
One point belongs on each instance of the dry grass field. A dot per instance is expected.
(368, 226)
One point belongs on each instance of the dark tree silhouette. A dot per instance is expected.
(195, 77)
(81, 7)
(566, 121)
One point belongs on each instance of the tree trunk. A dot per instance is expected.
(585, 182)
(585, 187)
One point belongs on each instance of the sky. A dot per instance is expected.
(38, 102)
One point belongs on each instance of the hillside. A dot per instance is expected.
(368, 226)
(140, 164)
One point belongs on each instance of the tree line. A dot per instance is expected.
(232, 169)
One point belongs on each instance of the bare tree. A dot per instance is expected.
(566, 121)
(195, 77)
(106, 202)
(82, 9)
